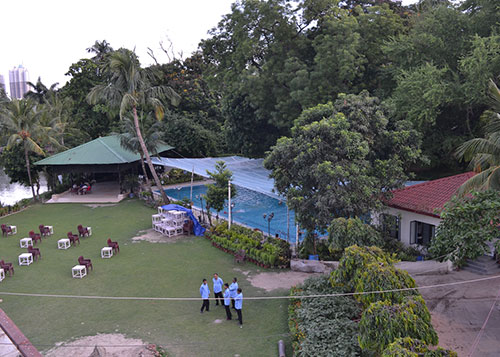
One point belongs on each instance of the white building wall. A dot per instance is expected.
(406, 217)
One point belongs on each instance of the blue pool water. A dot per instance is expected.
(249, 208)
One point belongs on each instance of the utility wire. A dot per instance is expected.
(282, 297)
(480, 334)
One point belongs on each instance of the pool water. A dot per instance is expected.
(249, 208)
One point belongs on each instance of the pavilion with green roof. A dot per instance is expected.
(102, 155)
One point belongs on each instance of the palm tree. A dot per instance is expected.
(20, 117)
(151, 132)
(39, 92)
(484, 153)
(130, 88)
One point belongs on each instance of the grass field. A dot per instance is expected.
(140, 269)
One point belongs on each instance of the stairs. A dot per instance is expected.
(483, 265)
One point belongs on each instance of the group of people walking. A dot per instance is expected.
(231, 296)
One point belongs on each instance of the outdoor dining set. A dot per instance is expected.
(33, 254)
(172, 223)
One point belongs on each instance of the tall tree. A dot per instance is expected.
(151, 131)
(20, 117)
(128, 89)
(339, 158)
(39, 91)
(484, 153)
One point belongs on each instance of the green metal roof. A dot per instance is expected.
(101, 151)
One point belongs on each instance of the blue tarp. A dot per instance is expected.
(198, 229)
(247, 173)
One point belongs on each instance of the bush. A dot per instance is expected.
(383, 322)
(323, 326)
(343, 233)
(356, 258)
(268, 251)
(467, 226)
(408, 347)
(375, 277)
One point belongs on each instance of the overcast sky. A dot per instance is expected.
(47, 36)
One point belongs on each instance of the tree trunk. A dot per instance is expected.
(148, 158)
(26, 156)
(144, 169)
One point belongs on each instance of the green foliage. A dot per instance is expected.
(14, 164)
(364, 269)
(408, 347)
(343, 233)
(178, 176)
(376, 277)
(383, 322)
(322, 326)
(467, 225)
(334, 165)
(217, 192)
(264, 250)
(356, 258)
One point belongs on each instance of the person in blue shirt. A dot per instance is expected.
(239, 305)
(227, 302)
(205, 293)
(233, 288)
(218, 283)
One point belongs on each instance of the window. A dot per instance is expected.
(421, 233)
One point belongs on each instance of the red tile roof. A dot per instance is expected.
(429, 197)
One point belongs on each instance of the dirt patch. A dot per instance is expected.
(150, 235)
(95, 205)
(108, 345)
(459, 311)
(273, 281)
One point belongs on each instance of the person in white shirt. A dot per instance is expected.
(218, 284)
(233, 290)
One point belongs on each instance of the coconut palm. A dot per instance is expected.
(151, 132)
(130, 88)
(20, 118)
(484, 153)
(39, 91)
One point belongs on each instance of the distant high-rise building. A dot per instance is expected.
(2, 83)
(18, 78)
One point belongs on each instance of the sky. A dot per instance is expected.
(47, 36)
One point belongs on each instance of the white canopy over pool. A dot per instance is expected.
(247, 173)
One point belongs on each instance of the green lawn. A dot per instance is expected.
(140, 269)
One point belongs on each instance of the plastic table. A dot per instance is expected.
(79, 271)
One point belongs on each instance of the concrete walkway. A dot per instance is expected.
(102, 192)
(426, 267)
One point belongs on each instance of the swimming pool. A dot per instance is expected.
(249, 208)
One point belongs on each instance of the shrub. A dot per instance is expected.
(323, 326)
(375, 277)
(467, 226)
(408, 347)
(264, 250)
(343, 233)
(383, 322)
(356, 258)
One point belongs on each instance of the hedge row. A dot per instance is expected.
(323, 326)
(264, 251)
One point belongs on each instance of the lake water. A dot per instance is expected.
(12, 193)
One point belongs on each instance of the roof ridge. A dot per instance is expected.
(430, 182)
(69, 150)
(111, 150)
